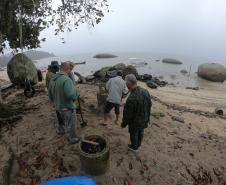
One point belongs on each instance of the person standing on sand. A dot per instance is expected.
(136, 112)
(49, 76)
(52, 70)
(71, 74)
(63, 93)
(116, 88)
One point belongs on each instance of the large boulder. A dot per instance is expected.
(119, 66)
(130, 70)
(105, 55)
(19, 68)
(212, 72)
(171, 61)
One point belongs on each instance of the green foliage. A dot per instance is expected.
(37, 15)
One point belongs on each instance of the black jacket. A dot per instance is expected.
(137, 110)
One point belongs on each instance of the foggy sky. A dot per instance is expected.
(184, 27)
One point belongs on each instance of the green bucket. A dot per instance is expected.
(95, 160)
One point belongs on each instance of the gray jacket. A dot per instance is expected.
(116, 88)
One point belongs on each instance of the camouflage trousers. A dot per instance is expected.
(66, 123)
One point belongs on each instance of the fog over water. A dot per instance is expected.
(188, 28)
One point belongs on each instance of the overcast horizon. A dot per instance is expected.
(188, 27)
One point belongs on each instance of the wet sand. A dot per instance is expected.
(169, 146)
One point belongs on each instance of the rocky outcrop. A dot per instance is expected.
(130, 70)
(171, 61)
(212, 72)
(119, 66)
(152, 82)
(104, 55)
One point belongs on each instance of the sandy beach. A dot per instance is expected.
(171, 149)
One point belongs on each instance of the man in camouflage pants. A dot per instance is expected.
(63, 93)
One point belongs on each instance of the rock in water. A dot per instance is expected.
(130, 70)
(212, 72)
(171, 61)
(19, 68)
(105, 55)
(184, 72)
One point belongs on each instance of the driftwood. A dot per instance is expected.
(186, 109)
(90, 142)
(5, 87)
(81, 78)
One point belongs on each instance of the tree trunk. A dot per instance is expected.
(0, 94)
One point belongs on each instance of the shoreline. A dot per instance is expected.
(208, 97)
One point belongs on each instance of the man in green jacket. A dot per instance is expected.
(136, 112)
(62, 93)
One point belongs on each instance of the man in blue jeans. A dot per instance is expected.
(136, 112)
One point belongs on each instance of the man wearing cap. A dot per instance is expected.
(52, 70)
(116, 88)
(136, 112)
(62, 93)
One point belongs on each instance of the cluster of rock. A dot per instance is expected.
(152, 82)
(109, 72)
(212, 72)
(106, 73)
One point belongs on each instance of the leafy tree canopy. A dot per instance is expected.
(37, 15)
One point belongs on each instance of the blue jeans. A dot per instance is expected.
(136, 138)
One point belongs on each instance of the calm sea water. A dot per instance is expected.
(170, 72)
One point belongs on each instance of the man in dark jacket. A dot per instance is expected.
(136, 112)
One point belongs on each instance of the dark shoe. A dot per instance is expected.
(74, 140)
(131, 148)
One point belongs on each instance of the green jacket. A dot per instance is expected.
(62, 92)
(137, 110)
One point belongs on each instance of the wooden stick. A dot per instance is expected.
(90, 142)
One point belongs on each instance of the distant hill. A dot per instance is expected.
(32, 54)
